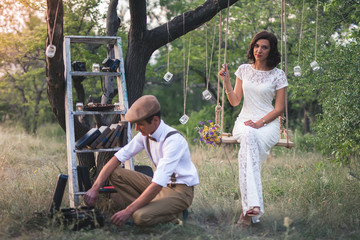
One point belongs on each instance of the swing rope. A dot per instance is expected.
(301, 26)
(225, 56)
(219, 108)
(284, 39)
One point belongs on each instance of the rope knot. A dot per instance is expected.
(218, 108)
(217, 114)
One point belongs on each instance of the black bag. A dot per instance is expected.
(74, 218)
(83, 217)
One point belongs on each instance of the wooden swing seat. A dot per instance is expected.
(228, 138)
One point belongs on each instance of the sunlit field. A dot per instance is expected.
(316, 198)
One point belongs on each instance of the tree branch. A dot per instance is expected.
(158, 36)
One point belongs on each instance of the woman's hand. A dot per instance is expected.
(250, 123)
(224, 73)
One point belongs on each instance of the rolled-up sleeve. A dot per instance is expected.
(131, 149)
(170, 160)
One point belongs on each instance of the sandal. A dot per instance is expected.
(254, 211)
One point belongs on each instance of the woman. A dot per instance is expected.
(256, 128)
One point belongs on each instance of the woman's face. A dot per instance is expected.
(261, 50)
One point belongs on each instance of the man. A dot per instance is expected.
(171, 190)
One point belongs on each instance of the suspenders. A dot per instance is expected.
(172, 178)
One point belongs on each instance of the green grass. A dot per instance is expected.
(320, 199)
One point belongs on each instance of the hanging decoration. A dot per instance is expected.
(206, 93)
(185, 118)
(314, 65)
(51, 49)
(297, 69)
(96, 67)
(168, 75)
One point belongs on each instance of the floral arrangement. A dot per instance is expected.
(209, 133)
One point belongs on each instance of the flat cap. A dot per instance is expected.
(142, 108)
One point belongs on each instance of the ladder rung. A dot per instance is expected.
(93, 39)
(78, 73)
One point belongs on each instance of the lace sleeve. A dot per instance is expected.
(281, 81)
(239, 72)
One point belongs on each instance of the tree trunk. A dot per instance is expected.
(55, 66)
(55, 74)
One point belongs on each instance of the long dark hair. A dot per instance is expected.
(274, 57)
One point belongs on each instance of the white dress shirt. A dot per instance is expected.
(169, 156)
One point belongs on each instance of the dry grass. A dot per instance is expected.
(320, 199)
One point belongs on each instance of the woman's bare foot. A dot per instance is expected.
(254, 211)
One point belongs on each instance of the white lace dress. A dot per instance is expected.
(259, 89)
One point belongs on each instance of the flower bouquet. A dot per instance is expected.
(209, 133)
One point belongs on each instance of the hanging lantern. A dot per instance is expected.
(50, 51)
(117, 106)
(184, 119)
(79, 106)
(96, 67)
(315, 66)
(168, 76)
(206, 94)
(297, 71)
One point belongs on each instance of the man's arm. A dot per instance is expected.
(149, 194)
(91, 195)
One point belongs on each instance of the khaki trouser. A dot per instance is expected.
(165, 207)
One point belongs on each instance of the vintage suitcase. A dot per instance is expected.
(74, 218)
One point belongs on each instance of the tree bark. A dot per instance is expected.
(55, 66)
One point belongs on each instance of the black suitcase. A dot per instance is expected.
(74, 218)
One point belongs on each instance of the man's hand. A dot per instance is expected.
(90, 197)
(121, 217)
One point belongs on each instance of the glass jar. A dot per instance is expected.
(116, 106)
(96, 67)
(297, 71)
(50, 51)
(315, 66)
(184, 119)
(168, 76)
(206, 94)
(79, 106)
